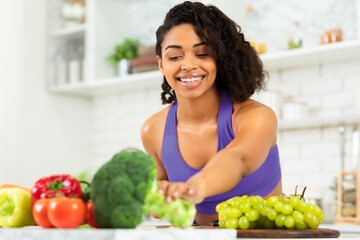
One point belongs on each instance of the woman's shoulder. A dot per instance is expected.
(254, 113)
(152, 131)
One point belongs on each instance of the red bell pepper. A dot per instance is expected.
(56, 186)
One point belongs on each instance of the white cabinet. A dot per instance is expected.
(77, 52)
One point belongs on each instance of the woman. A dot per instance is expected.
(213, 142)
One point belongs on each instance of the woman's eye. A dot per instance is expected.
(202, 55)
(174, 58)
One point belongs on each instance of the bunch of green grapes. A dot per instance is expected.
(277, 212)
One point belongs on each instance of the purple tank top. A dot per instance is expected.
(261, 182)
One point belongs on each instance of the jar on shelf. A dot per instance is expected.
(295, 39)
(332, 33)
(73, 12)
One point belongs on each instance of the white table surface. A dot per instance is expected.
(144, 231)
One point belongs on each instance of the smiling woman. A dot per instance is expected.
(213, 142)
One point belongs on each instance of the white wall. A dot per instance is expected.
(41, 133)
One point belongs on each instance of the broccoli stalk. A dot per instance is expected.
(123, 190)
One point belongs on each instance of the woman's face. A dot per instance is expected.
(186, 62)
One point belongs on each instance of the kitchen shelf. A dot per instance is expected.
(64, 32)
(333, 52)
(328, 53)
(111, 85)
(316, 122)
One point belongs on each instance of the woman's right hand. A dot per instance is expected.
(184, 190)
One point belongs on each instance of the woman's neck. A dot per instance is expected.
(200, 110)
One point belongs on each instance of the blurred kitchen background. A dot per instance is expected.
(66, 108)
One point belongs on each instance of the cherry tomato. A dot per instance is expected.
(65, 212)
(90, 218)
(40, 214)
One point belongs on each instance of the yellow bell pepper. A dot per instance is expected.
(15, 208)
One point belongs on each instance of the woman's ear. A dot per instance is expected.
(160, 64)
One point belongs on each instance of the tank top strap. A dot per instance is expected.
(224, 125)
(170, 125)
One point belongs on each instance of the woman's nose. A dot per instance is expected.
(189, 63)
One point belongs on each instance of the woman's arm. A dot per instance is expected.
(152, 140)
(255, 134)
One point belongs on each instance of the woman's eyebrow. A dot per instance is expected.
(180, 47)
(173, 46)
(199, 44)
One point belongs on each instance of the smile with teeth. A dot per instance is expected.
(191, 80)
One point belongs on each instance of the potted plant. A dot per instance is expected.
(122, 55)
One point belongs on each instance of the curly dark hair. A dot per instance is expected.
(239, 69)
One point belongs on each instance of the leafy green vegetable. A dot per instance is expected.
(179, 212)
(123, 190)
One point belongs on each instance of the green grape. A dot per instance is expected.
(268, 224)
(298, 216)
(277, 206)
(279, 221)
(259, 200)
(317, 211)
(301, 225)
(284, 199)
(313, 222)
(272, 214)
(286, 208)
(244, 223)
(221, 206)
(289, 222)
(308, 216)
(301, 206)
(272, 200)
(261, 221)
(245, 207)
(258, 206)
(252, 215)
(222, 223)
(321, 218)
(224, 212)
(294, 201)
(252, 225)
(264, 210)
(234, 212)
(231, 223)
(235, 202)
(252, 200)
(309, 207)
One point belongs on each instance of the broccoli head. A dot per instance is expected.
(123, 190)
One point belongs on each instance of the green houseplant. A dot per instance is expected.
(122, 55)
(126, 50)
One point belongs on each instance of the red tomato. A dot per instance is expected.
(65, 212)
(90, 218)
(40, 214)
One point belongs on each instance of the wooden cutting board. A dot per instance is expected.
(282, 233)
(275, 233)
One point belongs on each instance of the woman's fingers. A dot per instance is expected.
(163, 187)
(173, 190)
(179, 190)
